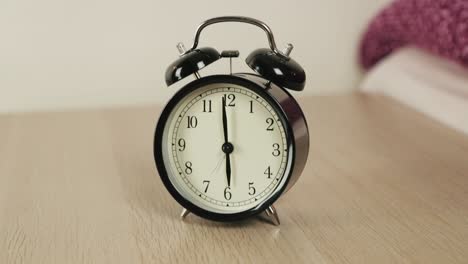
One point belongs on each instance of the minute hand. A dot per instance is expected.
(225, 130)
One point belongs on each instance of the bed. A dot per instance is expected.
(428, 83)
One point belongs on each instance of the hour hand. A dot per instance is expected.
(228, 169)
(228, 148)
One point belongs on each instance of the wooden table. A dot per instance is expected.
(383, 184)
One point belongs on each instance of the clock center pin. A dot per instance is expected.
(227, 148)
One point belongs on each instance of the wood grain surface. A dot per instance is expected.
(383, 184)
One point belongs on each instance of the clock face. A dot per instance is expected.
(225, 148)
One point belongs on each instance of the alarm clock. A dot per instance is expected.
(227, 146)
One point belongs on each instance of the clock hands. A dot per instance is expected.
(225, 122)
(218, 164)
(228, 169)
(227, 146)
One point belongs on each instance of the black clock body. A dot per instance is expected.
(290, 115)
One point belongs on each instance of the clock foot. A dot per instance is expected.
(273, 215)
(270, 212)
(184, 213)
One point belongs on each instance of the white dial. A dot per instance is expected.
(225, 172)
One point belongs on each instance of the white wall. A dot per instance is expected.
(88, 53)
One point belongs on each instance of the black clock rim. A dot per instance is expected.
(158, 148)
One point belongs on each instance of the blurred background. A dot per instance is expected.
(98, 53)
(57, 55)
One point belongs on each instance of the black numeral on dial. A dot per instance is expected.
(227, 193)
(270, 122)
(276, 150)
(268, 172)
(252, 190)
(206, 106)
(207, 184)
(188, 168)
(181, 144)
(192, 122)
(230, 99)
(251, 107)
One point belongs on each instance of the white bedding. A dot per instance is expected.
(430, 84)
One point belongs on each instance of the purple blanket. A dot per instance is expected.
(440, 26)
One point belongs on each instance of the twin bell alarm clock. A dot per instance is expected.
(227, 146)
